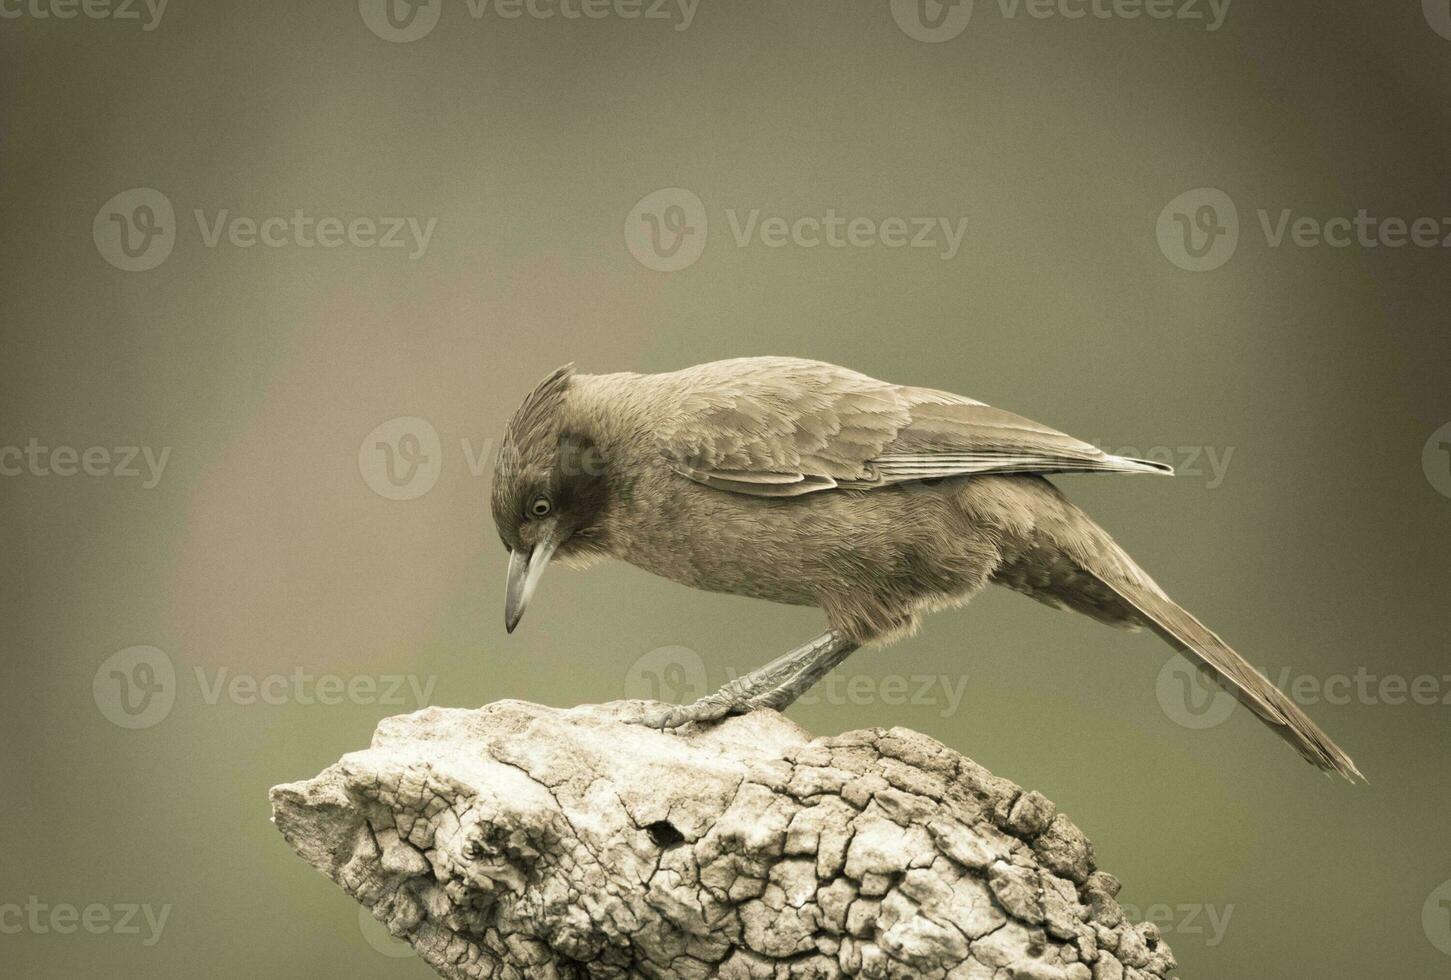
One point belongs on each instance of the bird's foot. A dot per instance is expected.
(776, 685)
(712, 707)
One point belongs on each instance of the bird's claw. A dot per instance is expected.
(707, 709)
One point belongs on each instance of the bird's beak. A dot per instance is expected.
(526, 565)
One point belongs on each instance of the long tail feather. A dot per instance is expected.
(1235, 675)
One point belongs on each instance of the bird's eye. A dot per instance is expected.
(540, 507)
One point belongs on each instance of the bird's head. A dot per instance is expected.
(550, 490)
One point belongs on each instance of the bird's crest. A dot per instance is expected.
(528, 438)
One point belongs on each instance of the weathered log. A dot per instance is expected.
(520, 841)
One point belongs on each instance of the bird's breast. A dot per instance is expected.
(716, 541)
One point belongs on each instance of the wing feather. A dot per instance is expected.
(777, 427)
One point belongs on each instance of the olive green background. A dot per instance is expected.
(1321, 371)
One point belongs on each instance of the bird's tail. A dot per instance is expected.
(1057, 554)
(1231, 671)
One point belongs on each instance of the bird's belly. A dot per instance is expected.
(882, 547)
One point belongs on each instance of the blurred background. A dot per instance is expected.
(275, 274)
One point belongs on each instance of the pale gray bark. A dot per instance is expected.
(520, 841)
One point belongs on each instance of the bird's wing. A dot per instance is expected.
(781, 427)
(953, 436)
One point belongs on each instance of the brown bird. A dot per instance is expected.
(806, 483)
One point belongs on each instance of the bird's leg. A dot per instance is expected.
(776, 685)
(807, 665)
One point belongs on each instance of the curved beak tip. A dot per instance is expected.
(525, 568)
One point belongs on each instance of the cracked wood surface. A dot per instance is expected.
(521, 841)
